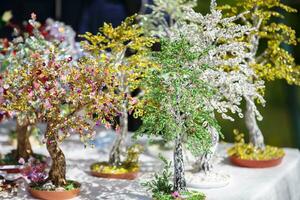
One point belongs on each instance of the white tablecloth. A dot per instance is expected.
(277, 183)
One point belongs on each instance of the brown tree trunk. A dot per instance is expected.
(24, 149)
(57, 173)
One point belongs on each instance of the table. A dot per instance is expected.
(277, 183)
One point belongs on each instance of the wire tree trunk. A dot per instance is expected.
(179, 174)
(115, 153)
(57, 173)
(204, 163)
(24, 149)
(255, 134)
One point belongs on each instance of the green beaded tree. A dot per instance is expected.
(272, 61)
(175, 103)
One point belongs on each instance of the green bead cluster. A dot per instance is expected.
(176, 98)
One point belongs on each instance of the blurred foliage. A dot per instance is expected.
(277, 125)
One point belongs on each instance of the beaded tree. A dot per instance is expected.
(16, 55)
(123, 51)
(217, 38)
(176, 103)
(42, 88)
(24, 149)
(269, 62)
(4, 44)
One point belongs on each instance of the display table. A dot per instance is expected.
(278, 183)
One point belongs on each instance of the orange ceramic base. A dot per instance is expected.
(255, 163)
(54, 195)
(126, 176)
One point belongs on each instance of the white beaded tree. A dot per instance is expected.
(219, 40)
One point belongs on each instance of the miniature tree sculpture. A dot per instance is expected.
(270, 62)
(42, 87)
(123, 53)
(162, 21)
(4, 44)
(217, 37)
(176, 103)
(53, 32)
(229, 73)
(24, 149)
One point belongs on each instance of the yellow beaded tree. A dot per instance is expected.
(270, 61)
(123, 53)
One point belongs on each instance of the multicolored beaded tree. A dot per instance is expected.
(52, 31)
(40, 86)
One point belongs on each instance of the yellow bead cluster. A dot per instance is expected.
(106, 168)
(248, 152)
(122, 53)
(273, 61)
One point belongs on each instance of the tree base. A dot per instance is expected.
(58, 194)
(125, 176)
(11, 169)
(255, 163)
(201, 180)
(10, 165)
(180, 196)
(247, 155)
(104, 170)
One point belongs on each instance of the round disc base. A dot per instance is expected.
(201, 180)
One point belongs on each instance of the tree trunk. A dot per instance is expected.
(57, 173)
(205, 161)
(24, 149)
(179, 177)
(115, 153)
(255, 134)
